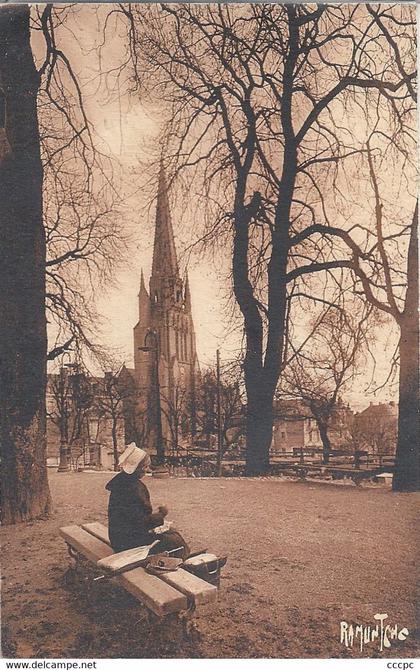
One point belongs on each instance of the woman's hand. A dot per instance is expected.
(163, 510)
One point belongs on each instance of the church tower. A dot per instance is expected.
(165, 321)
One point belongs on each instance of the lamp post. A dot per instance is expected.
(152, 335)
(219, 417)
(63, 465)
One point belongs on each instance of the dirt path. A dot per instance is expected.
(302, 557)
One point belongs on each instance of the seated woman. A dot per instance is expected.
(131, 519)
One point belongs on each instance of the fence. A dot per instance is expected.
(205, 465)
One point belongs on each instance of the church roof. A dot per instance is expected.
(130, 371)
(164, 253)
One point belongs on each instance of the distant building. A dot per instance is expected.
(165, 321)
(295, 429)
(375, 428)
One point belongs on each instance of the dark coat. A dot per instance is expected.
(130, 516)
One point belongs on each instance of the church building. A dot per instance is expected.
(165, 361)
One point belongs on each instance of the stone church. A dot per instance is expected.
(166, 371)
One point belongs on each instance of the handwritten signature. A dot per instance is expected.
(362, 634)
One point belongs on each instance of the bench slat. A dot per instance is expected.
(195, 588)
(161, 598)
(97, 530)
(86, 544)
(125, 560)
(158, 596)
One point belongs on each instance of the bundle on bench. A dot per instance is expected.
(163, 594)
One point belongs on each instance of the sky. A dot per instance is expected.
(126, 128)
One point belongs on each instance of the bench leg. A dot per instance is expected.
(189, 626)
(81, 572)
(174, 628)
(73, 577)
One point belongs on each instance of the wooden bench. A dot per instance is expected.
(357, 475)
(169, 593)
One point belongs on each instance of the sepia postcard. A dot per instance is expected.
(209, 326)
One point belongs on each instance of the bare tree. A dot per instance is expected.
(322, 371)
(394, 292)
(383, 290)
(175, 410)
(255, 98)
(81, 406)
(111, 397)
(47, 148)
(206, 414)
(84, 236)
(385, 264)
(378, 437)
(25, 492)
(73, 401)
(232, 403)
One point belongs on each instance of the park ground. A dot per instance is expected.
(302, 558)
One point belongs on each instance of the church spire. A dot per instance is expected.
(165, 262)
(144, 303)
(143, 289)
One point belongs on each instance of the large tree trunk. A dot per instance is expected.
(407, 475)
(259, 430)
(25, 493)
(261, 378)
(407, 467)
